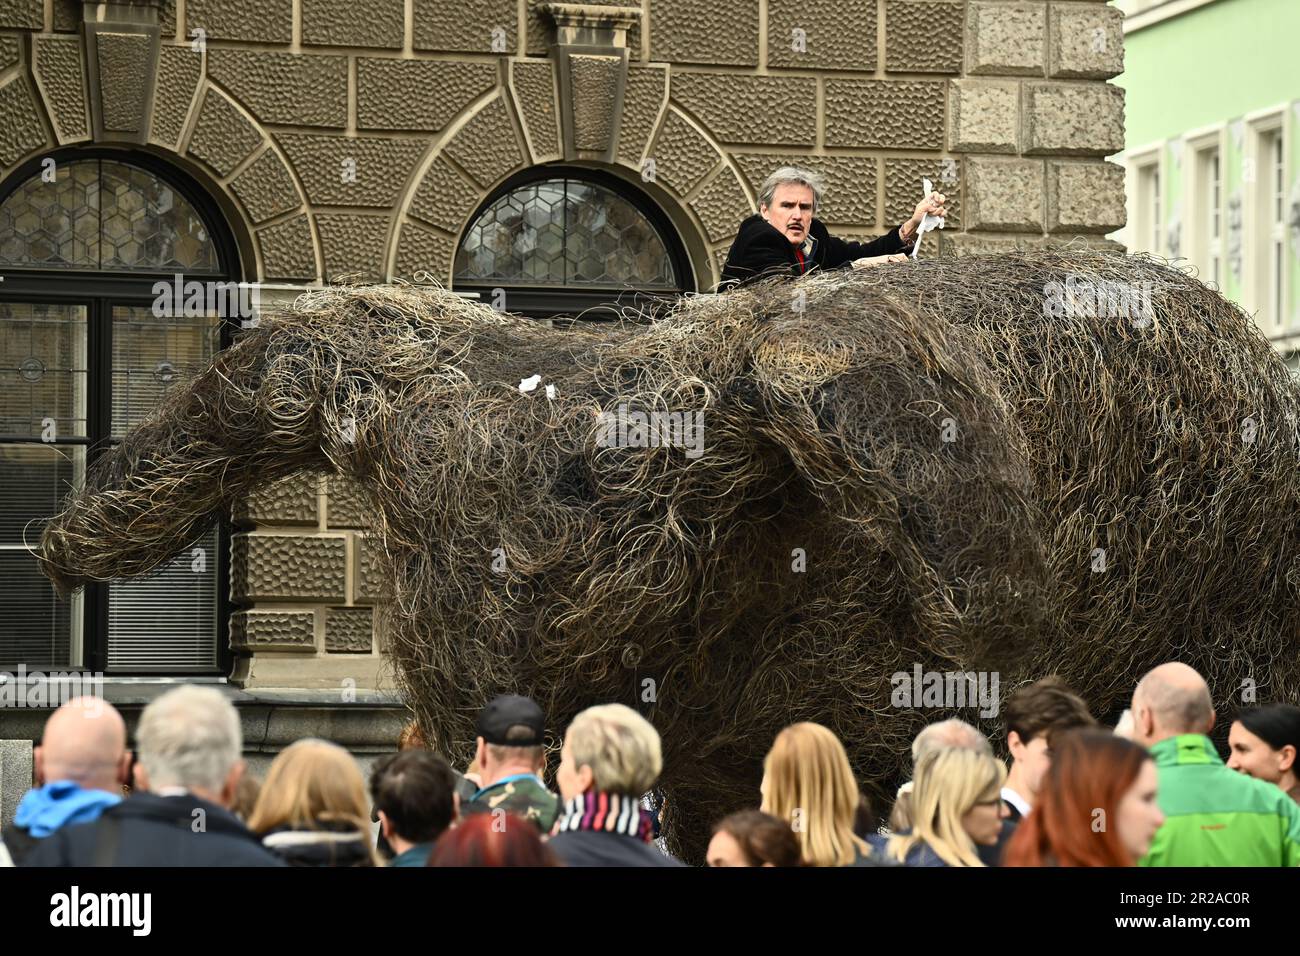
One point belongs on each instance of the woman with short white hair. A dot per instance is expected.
(611, 757)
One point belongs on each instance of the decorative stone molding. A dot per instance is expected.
(591, 55)
(121, 41)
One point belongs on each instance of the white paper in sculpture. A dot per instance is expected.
(928, 221)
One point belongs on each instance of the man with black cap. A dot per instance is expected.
(511, 752)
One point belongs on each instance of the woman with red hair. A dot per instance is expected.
(1096, 807)
(491, 839)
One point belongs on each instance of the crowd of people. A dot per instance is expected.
(1153, 791)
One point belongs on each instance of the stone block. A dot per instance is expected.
(681, 154)
(486, 147)
(273, 630)
(347, 505)
(265, 188)
(904, 188)
(850, 182)
(341, 23)
(737, 108)
(417, 94)
(644, 95)
(179, 71)
(368, 582)
(923, 36)
(353, 246)
(222, 136)
(491, 27)
(60, 72)
(349, 630)
(420, 250)
(17, 776)
(10, 49)
(67, 16)
(302, 89)
(984, 116)
(21, 132)
(125, 61)
(1072, 119)
(1007, 39)
(444, 197)
(289, 501)
(722, 205)
(954, 244)
(885, 114)
(1085, 197)
(263, 21)
(822, 35)
(287, 251)
(533, 83)
(22, 14)
(702, 31)
(1086, 42)
(288, 567)
(594, 81)
(1004, 195)
(352, 170)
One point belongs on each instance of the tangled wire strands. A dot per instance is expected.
(900, 467)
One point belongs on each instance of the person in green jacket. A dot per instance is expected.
(1214, 815)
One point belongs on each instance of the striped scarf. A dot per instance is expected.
(608, 812)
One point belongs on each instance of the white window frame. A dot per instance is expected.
(1266, 290)
(1145, 214)
(1207, 219)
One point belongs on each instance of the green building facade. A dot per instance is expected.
(1211, 143)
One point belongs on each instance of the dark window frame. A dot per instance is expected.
(99, 292)
(548, 302)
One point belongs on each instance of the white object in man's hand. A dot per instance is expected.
(868, 261)
(928, 215)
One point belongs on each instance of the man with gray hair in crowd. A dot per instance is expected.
(1214, 816)
(785, 237)
(189, 749)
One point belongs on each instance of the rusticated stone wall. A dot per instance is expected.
(350, 138)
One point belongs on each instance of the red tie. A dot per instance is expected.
(799, 255)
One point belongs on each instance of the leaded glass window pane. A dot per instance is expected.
(96, 214)
(42, 370)
(565, 232)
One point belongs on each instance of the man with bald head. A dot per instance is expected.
(81, 765)
(1214, 816)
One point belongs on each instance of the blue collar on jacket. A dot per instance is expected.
(57, 804)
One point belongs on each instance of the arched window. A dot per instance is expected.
(86, 352)
(570, 242)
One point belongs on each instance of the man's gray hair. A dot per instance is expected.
(792, 175)
(949, 733)
(189, 737)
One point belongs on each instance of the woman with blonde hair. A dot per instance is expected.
(956, 804)
(313, 807)
(808, 783)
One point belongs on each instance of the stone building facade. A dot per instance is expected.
(360, 139)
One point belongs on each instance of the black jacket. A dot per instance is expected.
(760, 250)
(595, 848)
(149, 830)
(327, 844)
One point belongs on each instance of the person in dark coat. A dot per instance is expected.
(189, 746)
(785, 238)
(81, 767)
(610, 758)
